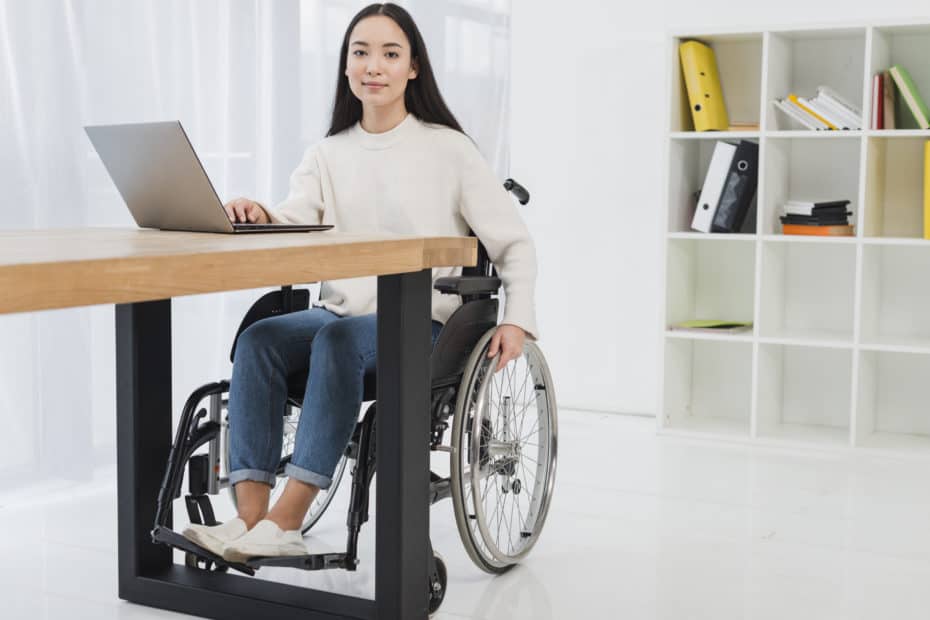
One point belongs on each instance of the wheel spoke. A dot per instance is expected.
(535, 429)
(498, 404)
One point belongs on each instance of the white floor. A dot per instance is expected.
(641, 527)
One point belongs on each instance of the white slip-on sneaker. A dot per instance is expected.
(215, 537)
(266, 539)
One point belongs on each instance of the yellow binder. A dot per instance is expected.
(702, 81)
(927, 189)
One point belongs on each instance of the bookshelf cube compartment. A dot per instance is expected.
(739, 65)
(908, 46)
(688, 163)
(708, 386)
(800, 61)
(808, 291)
(804, 393)
(710, 279)
(894, 188)
(893, 411)
(809, 168)
(895, 295)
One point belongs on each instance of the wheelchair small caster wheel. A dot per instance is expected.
(194, 561)
(437, 585)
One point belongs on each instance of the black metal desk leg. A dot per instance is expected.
(402, 515)
(143, 433)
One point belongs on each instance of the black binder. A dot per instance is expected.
(739, 189)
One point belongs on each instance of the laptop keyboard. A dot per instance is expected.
(244, 226)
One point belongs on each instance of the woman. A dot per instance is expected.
(394, 160)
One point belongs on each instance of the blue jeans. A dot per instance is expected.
(267, 353)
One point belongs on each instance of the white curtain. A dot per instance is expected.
(252, 82)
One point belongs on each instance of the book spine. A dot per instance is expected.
(909, 97)
(927, 189)
(818, 231)
(798, 114)
(888, 97)
(802, 103)
(835, 97)
(841, 118)
(881, 101)
(832, 117)
(854, 121)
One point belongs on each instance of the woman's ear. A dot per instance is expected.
(414, 70)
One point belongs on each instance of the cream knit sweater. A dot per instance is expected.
(416, 179)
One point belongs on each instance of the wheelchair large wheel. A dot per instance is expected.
(323, 498)
(504, 447)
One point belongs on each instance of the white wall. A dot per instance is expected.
(588, 123)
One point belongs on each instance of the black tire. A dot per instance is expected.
(437, 585)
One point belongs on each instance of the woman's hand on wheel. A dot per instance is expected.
(508, 339)
(245, 210)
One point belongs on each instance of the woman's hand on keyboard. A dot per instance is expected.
(245, 210)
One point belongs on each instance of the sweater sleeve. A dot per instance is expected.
(304, 202)
(491, 213)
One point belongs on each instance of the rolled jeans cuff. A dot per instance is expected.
(256, 475)
(305, 475)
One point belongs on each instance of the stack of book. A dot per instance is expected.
(884, 95)
(827, 109)
(828, 218)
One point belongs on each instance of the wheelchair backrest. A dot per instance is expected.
(459, 336)
(286, 299)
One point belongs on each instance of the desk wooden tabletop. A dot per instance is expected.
(60, 268)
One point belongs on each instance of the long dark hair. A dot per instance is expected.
(421, 96)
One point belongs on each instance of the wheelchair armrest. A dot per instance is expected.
(467, 285)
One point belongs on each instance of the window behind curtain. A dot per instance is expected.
(252, 82)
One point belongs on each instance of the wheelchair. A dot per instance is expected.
(501, 429)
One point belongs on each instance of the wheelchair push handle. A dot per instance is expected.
(517, 190)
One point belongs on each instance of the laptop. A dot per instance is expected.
(163, 183)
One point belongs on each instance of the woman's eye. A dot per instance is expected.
(357, 52)
(393, 55)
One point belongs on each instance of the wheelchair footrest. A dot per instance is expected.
(320, 561)
(171, 538)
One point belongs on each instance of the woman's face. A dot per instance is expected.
(379, 63)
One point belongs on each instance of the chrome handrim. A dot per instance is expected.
(516, 449)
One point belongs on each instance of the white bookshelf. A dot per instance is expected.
(839, 353)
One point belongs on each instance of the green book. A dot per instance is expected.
(908, 90)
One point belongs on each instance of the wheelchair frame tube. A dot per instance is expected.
(213, 450)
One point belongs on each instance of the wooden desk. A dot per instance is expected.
(140, 271)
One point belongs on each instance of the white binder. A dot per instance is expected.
(713, 186)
